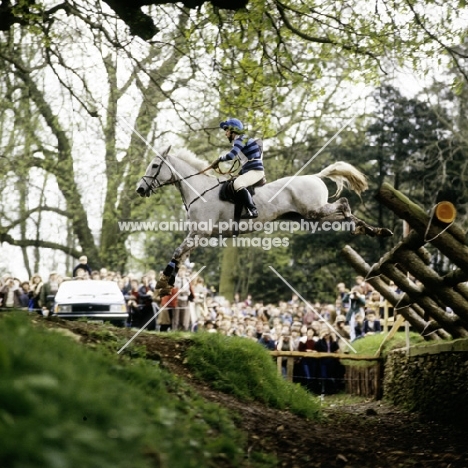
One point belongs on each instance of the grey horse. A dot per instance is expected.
(296, 197)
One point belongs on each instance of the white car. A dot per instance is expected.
(93, 299)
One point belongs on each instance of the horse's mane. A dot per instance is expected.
(190, 158)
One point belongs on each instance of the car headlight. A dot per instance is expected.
(118, 308)
(63, 308)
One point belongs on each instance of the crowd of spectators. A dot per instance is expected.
(289, 325)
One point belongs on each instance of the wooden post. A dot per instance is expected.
(385, 329)
(398, 322)
(407, 337)
(290, 369)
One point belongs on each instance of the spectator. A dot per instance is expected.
(357, 304)
(284, 344)
(309, 366)
(295, 337)
(210, 327)
(294, 300)
(49, 290)
(329, 367)
(375, 303)
(24, 293)
(181, 316)
(267, 341)
(81, 274)
(248, 300)
(165, 315)
(309, 317)
(342, 301)
(35, 293)
(250, 333)
(10, 294)
(132, 299)
(199, 291)
(262, 315)
(371, 323)
(359, 326)
(152, 279)
(83, 265)
(342, 328)
(146, 307)
(366, 288)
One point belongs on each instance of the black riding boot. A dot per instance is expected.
(246, 199)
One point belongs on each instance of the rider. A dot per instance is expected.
(250, 154)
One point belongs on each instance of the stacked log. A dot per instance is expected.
(427, 299)
(413, 315)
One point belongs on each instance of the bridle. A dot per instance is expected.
(151, 186)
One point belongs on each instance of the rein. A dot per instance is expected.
(153, 178)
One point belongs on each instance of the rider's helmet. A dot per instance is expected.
(234, 125)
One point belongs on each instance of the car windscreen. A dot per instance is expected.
(76, 289)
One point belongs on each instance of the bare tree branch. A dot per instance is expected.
(5, 237)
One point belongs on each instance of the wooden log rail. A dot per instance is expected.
(413, 314)
(451, 242)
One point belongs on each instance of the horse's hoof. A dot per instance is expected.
(162, 282)
(359, 231)
(384, 232)
(159, 293)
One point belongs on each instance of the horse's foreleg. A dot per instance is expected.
(167, 277)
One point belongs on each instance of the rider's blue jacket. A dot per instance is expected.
(249, 153)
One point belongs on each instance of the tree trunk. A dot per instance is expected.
(227, 280)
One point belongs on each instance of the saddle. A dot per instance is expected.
(227, 193)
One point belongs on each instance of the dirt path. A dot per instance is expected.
(364, 434)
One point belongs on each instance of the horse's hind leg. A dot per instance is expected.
(343, 205)
(336, 211)
(341, 211)
(363, 228)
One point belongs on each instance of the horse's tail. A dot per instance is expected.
(345, 175)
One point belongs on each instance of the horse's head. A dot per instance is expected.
(159, 172)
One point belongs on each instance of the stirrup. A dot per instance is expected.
(252, 213)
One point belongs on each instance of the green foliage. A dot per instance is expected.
(65, 406)
(244, 368)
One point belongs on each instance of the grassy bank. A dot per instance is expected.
(63, 405)
(243, 368)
